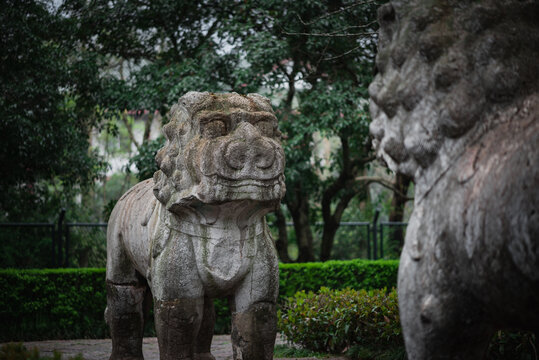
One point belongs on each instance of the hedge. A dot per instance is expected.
(69, 303)
(354, 274)
(52, 304)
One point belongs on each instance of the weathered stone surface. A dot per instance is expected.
(456, 106)
(197, 231)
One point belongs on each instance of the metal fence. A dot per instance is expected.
(87, 243)
(27, 245)
(49, 245)
(77, 244)
(364, 240)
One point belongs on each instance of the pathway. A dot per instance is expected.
(100, 349)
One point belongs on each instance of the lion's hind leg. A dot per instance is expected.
(126, 294)
(124, 315)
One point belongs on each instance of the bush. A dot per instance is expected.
(52, 304)
(355, 274)
(69, 303)
(332, 321)
(17, 351)
(518, 345)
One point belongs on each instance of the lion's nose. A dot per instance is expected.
(248, 147)
(263, 154)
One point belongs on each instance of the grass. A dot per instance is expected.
(354, 353)
(286, 351)
(367, 353)
(17, 351)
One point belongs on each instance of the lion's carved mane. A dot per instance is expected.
(447, 70)
(176, 178)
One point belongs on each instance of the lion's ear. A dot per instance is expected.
(261, 101)
(193, 100)
(161, 189)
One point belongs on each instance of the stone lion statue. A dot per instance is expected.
(455, 105)
(197, 231)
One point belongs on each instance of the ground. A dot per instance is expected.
(99, 349)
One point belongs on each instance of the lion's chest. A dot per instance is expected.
(223, 256)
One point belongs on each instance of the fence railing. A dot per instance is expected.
(358, 239)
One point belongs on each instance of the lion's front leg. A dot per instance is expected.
(254, 331)
(254, 313)
(178, 297)
(177, 323)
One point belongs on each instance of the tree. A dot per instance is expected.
(47, 88)
(155, 50)
(315, 59)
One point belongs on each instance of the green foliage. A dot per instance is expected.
(69, 303)
(332, 321)
(26, 247)
(17, 351)
(317, 70)
(88, 247)
(314, 59)
(373, 352)
(222, 317)
(285, 351)
(144, 161)
(52, 304)
(355, 274)
(47, 88)
(518, 345)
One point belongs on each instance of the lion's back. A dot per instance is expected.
(127, 233)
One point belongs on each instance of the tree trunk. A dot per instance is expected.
(304, 236)
(339, 190)
(332, 221)
(328, 236)
(282, 241)
(396, 239)
(147, 128)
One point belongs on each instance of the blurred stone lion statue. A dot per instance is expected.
(455, 104)
(197, 231)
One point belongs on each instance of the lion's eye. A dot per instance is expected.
(214, 129)
(265, 128)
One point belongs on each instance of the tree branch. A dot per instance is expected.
(337, 11)
(362, 161)
(331, 34)
(203, 40)
(385, 183)
(129, 129)
(339, 32)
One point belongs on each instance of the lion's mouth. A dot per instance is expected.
(218, 190)
(232, 183)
